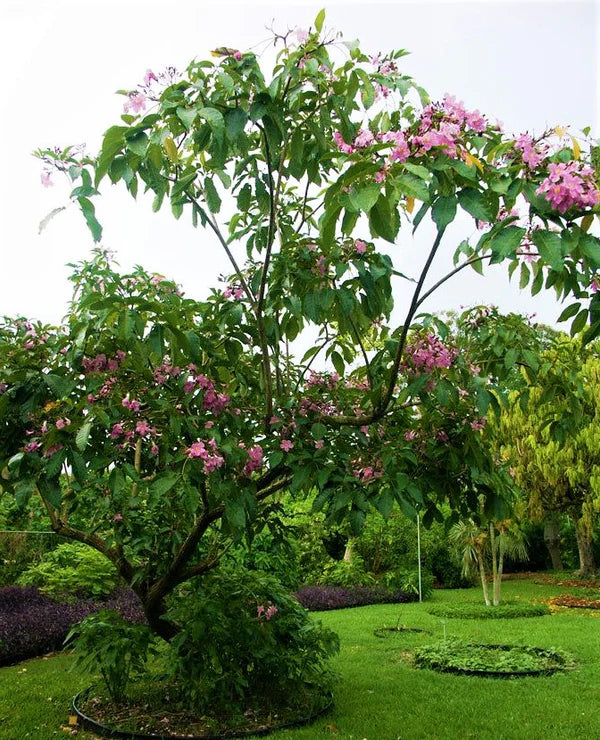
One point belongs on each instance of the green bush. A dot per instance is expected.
(347, 573)
(408, 580)
(72, 569)
(244, 638)
(118, 649)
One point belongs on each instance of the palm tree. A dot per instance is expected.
(483, 547)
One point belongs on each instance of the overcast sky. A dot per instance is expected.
(529, 64)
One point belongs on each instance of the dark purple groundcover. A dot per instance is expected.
(32, 624)
(321, 598)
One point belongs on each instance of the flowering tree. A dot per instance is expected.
(176, 422)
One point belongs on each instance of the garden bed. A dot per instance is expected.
(508, 610)
(323, 598)
(575, 602)
(150, 714)
(491, 661)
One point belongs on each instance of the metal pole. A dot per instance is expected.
(419, 556)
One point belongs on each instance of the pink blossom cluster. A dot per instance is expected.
(212, 401)
(233, 291)
(532, 153)
(105, 391)
(100, 363)
(322, 380)
(208, 453)
(62, 423)
(570, 184)
(479, 423)
(266, 612)
(164, 372)
(367, 473)
(255, 459)
(136, 102)
(131, 404)
(286, 445)
(33, 339)
(428, 353)
(442, 123)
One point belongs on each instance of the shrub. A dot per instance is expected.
(110, 644)
(323, 598)
(243, 637)
(348, 573)
(408, 581)
(481, 611)
(72, 569)
(32, 624)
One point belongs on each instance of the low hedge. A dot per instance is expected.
(32, 624)
(323, 598)
(508, 610)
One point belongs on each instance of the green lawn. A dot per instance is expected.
(379, 696)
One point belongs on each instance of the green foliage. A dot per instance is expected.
(243, 636)
(72, 569)
(107, 643)
(346, 573)
(455, 656)
(408, 580)
(507, 610)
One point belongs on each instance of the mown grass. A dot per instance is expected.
(380, 697)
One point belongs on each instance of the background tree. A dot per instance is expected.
(558, 476)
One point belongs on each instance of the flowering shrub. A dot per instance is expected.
(168, 425)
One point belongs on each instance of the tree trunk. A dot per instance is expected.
(498, 576)
(483, 576)
(349, 549)
(587, 564)
(552, 540)
(496, 588)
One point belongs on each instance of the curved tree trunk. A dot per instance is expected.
(552, 541)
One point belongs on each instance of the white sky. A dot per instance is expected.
(529, 64)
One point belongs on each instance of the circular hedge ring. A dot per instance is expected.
(105, 730)
(491, 661)
(471, 610)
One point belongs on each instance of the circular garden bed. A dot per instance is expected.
(492, 661)
(508, 610)
(148, 715)
(399, 630)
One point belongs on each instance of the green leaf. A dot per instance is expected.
(50, 491)
(89, 213)
(550, 248)
(23, 491)
(138, 144)
(235, 122)
(443, 211)
(364, 198)
(384, 220)
(215, 121)
(580, 322)
(187, 116)
(46, 220)
(524, 279)
(213, 201)
(82, 436)
(412, 185)
(318, 431)
(505, 243)
(338, 362)
(569, 312)
(590, 246)
(244, 198)
(112, 144)
(475, 203)
(61, 387)
(163, 484)
(319, 20)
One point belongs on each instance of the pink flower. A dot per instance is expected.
(301, 35)
(237, 55)
(62, 423)
(143, 428)
(319, 444)
(363, 139)
(341, 144)
(32, 446)
(135, 102)
(569, 184)
(360, 247)
(286, 445)
(118, 518)
(478, 423)
(46, 178)
(154, 449)
(595, 285)
(149, 76)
